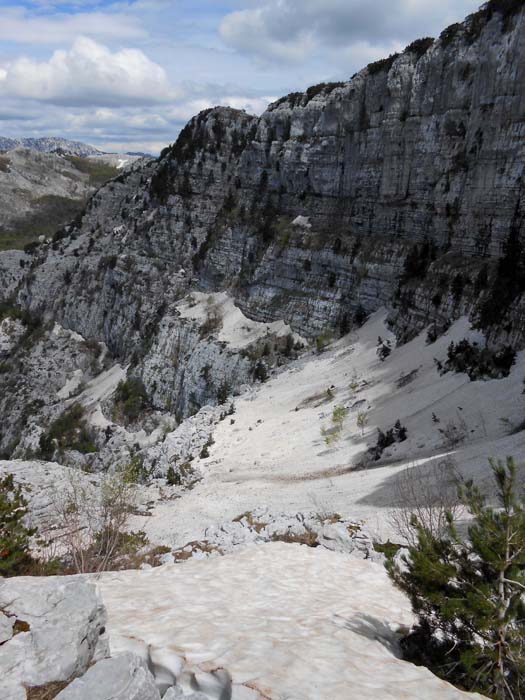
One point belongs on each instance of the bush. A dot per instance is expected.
(172, 477)
(131, 399)
(467, 592)
(477, 362)
(424, 494)
(213, 321)
(420, 46)
(92, 520)
(223, 392)
(506, 8)
(333, 434)
(68, 432)
(396, 434)
(323, 341)
(384, 349)
(260, 372)
(384, 64)
(448, 35)
(326, 88)
(15, 536)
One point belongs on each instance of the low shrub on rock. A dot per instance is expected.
(15, 536)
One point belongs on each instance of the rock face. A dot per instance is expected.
(57, 629)
(427, 146)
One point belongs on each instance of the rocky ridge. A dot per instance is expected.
(49, 144)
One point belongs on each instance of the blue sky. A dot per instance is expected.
(127, 75)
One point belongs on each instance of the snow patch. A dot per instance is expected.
(279, 620)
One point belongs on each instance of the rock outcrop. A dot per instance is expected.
(53, 630)
(124, 677)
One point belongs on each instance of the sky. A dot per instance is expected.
(127, 76)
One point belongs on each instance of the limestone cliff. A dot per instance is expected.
(426, 148)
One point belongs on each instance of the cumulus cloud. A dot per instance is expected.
(293, 29)
(87, 74)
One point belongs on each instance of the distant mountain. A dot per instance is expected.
(40, 192)
(139, 154)
(52, 144)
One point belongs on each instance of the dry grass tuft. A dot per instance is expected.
(49, 691)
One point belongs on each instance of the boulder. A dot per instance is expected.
(57, 630)
(124, 677)
(176, 693)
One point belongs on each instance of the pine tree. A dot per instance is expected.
(14, 534)
(468, 593)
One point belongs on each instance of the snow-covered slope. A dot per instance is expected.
(275, 622)
(272, 453)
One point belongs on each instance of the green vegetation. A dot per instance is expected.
(49, 214)
(323, 341)
(389, 549)
(98, 171)
(383, 65)
(135, 472)
(476, 361)
(14, 534)
(325, 88)
(420, 46)
(467, 592)
(448, 35)
(362, 421)
(223, 392)
(332, 435)
(68, 432)
(396, 434)
(131, 399)
(177, 476)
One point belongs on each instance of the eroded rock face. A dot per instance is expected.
(57, 627)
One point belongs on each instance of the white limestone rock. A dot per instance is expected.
(124, 677)
(6, 627)
(176, 693)
(62, 623)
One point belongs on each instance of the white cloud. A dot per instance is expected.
(187, 109)
(293, 29)
(87, 74)
(23, 27)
